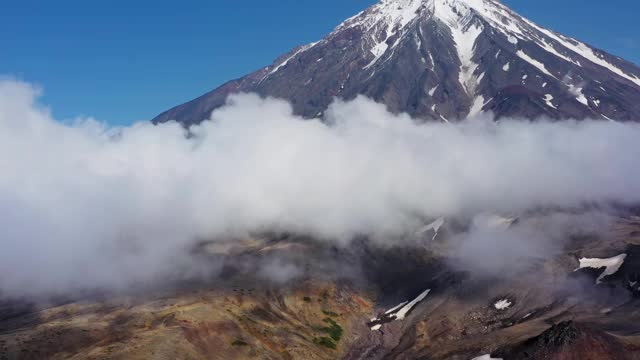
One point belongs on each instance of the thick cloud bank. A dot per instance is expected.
(84, 205)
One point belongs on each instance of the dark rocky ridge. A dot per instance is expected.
(442, 60)
(567, 341)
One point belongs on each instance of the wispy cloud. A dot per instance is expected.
(85, 205)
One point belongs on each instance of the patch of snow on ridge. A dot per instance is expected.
(396, 308)
(540, 66)
(286, 61)
(547, 99)
(465, 43)
(396, 313)
(502, 304)
(464, 36)
(585, 51)
(577, 92)
(400, 315)
(486, 357)
(550, 49)
(476, 108)
(611, 265)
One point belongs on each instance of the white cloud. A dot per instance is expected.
(86, 205)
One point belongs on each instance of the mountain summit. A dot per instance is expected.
(442, 60)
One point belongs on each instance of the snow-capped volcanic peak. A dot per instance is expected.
(442, 60)
(384, 21)
(394, 14)
(399, 13)
(389, 19)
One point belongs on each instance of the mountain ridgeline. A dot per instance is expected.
(442, 60)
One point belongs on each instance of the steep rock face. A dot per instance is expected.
(442, 60)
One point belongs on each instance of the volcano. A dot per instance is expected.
(442, 60)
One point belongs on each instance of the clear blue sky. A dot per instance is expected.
(122, 61)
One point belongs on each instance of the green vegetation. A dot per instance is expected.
(306, 299)
(325, 341)
(334, 331)
(330, 313)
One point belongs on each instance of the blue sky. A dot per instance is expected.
(123, 61)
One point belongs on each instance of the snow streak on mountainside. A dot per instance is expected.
(443, 60)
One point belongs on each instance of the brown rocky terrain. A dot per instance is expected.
(544, 311)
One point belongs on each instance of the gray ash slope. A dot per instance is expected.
(442, 60)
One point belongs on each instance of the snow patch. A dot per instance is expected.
(586, 52)
(400, 315)
(486, 357)
(611, 265)
(506, 66)
(540, 66)
(396, 308)
(547, 99)
(550, 49)
(398, 312)
(503, 304)
(476, 108)
(464, 36)
(577, 92)
(286, 61)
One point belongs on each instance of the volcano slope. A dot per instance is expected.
(360, 301)
(441, 60)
